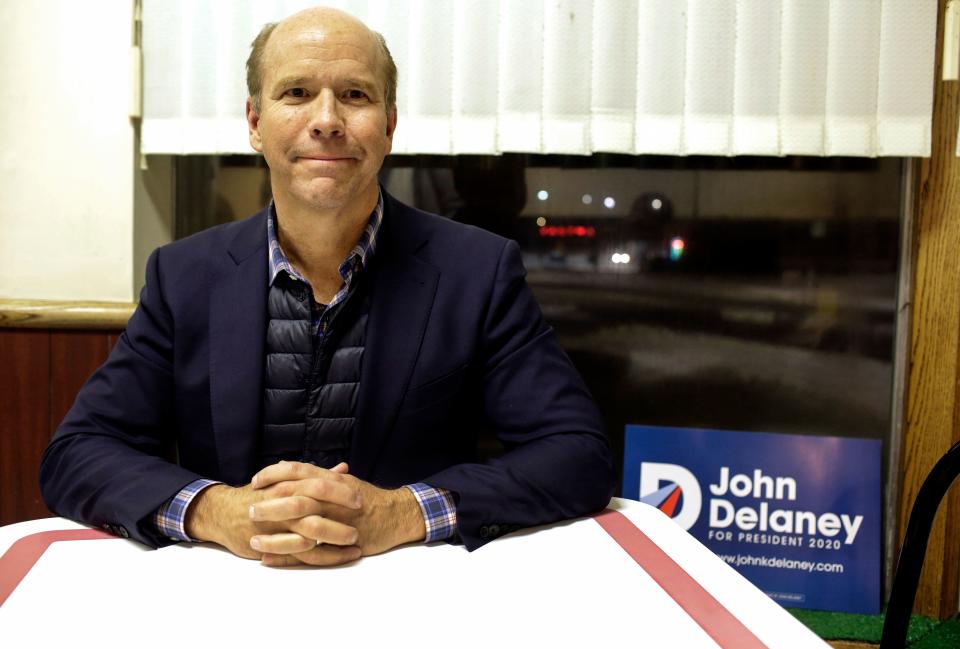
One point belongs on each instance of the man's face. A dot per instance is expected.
(323, 127)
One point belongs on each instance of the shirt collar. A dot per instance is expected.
(359, 257)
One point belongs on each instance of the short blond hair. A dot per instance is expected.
(255, 68)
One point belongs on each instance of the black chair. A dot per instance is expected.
(915, 547)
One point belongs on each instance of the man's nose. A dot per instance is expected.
(326, 119)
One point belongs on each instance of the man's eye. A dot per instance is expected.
(355, 94)
(296, 92)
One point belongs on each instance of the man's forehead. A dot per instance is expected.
(296, 71)
(303, 41)
(322, 24)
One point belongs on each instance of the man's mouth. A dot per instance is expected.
(326, 158)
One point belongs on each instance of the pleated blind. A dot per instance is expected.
(674, 77)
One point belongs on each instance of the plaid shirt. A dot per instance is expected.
(354, 262)
(437, 506)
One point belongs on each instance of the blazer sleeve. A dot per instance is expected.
(558, 463)
(106, 464)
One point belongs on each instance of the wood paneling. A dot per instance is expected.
(40, 374)
(24, 421)
(932, 424)
(74, 355)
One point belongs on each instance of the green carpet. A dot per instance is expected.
(946, 634)
(923, 633)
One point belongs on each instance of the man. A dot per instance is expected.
(335, 354)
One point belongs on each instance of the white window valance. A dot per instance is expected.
(674, 77)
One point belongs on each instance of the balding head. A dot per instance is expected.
(329, 21)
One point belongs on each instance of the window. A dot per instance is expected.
(743, 293)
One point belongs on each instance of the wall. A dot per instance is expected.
(68, 167)
(153, 212)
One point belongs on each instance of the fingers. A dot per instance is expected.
(336, 480)
(281, 543)
(294, 499)
(304, 534)
(323, 555)
(335, 492)
(284, 470)
(325, 530)
(280, 560)
(285, 509)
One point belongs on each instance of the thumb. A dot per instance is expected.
(341, 468)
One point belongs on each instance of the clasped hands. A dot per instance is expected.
(294, 513)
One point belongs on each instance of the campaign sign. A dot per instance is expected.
(799, 516)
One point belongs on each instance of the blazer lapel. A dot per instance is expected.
(237, 332)
(403, 292)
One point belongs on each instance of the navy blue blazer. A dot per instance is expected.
(455, 342)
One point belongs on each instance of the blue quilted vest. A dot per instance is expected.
(310, 382)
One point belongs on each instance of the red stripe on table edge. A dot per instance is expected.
(20, 557)
(719, 623)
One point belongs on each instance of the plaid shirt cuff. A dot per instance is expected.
(439, 511)
(171, 516)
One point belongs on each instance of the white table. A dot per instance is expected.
(566, 585)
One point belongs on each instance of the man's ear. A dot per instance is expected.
(391, 123)
(253, 127)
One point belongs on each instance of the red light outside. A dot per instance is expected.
(568, 231)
